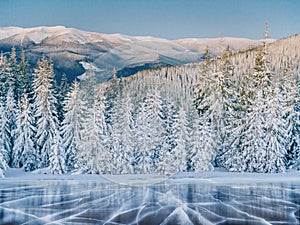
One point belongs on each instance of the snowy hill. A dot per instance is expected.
(71, 49)
(181, 79)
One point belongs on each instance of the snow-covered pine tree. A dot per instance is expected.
(203, 145)
(87, 86)
(11, 112)
(112, 113)
(156, 133)
(45, 110)
(24, 78)
(221, 99)
(275, 132)
(168, 117)
(24, 151)
(121, 135)
(201, 88)
(288, 95)
(294, 128)
(272, 155)
(191, 114)
(18, 79)
(61, 94)
(142, 153)
(211, 101)
(181, 148)
(57, 155)
(128, 141)
(234, 102)
(3, 164)
(254, 146)
(236, 127)
(4, 156)
(72, 124)
(12, 78)
(175, 159)
(112, 90)
(4, 74)
(93, 157)
(230, 88)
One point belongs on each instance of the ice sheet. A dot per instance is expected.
(197, 199)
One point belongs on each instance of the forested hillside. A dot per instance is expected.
(240, 111)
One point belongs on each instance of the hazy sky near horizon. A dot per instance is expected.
(170, 19)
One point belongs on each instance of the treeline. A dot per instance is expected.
(188, 118)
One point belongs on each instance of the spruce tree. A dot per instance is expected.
(11, 111)
(213, 103)
(168, 118)
(57, 155)
(175, 159)
(61, 94)
(93, 156)
(4, 75)
(122, 136)
(3, 164)
(156, 138)
(72, 124)
(294, 131)
(4, 154)
(13, 71)
(274, 133)
(142, 152)
(24, 151)
(45, 110)
(203, 145)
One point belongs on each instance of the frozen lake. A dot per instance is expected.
(174, 201)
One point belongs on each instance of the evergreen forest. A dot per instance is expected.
(240, 111)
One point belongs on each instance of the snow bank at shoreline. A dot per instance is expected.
(222, 176)
(216, 176)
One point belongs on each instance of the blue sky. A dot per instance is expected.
(170, 19)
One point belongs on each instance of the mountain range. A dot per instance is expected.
(74, 51)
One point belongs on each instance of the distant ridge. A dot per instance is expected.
(72, 50)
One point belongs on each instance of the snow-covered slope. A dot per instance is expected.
(70, 48)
